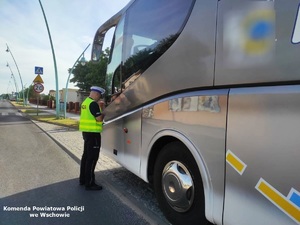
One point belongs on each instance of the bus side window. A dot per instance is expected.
(113, 73)
(148, 33)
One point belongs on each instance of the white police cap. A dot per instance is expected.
(98, 89)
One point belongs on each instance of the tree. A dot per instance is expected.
(91, 74)
(29, 92)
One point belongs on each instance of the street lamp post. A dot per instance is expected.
(27, 95)
(9, 83)
(8, 86)
(17, 90)
(82, 60)
(54, 61)
(26, 99)
(8, 50)
(12, 76)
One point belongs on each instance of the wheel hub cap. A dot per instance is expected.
(178, 186)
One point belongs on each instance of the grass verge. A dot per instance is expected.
(32, 114)
(58, 121)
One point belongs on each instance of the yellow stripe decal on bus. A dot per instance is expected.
(282, 202)
(235, 162)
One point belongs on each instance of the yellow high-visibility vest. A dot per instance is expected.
(87, 122)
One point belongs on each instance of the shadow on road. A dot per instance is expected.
(72, 201)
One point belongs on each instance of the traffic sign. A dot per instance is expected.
(38, 87)
(38, 70)
(38, 79)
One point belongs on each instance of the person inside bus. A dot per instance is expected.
(90, 123)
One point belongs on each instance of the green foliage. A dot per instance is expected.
(91, 73)
(28, 92)
(46, 97)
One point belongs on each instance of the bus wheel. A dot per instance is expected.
(178, 185)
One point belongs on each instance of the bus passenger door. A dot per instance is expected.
(132, 141)
(121, 140)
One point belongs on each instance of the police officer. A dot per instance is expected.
(90, 123)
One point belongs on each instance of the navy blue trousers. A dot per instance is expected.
(90, 156)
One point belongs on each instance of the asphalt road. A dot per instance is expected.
(39, 182)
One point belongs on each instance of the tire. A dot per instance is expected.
(181, 204)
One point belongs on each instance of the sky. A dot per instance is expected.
(72, 24)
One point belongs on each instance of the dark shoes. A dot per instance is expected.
(93, 187)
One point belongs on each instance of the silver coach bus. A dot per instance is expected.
(203, 102)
